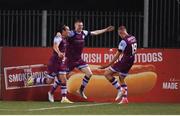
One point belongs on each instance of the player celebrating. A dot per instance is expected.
(127, 47)
(56, 67)
(75, 45)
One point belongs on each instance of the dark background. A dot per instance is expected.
(21, 20)
(123, 5)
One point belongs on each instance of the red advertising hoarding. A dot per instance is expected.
(155, 77)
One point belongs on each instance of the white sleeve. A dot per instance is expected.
(122, 45)
(57, 40)
(71, 34)
(86, 32)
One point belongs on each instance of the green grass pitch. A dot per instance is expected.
(57, 108)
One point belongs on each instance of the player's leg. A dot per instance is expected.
(63, 79)
(53, 69)
(124, 89)
(60, 80)
(69, 74)
(55, 85)
(88, 73)
(109, 76)
(124, 69)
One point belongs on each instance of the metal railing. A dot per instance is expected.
(164, 23)
(26, 27)
(20, 28)
(96, 20)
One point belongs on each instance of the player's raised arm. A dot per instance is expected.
(118, 53)
(97, 32)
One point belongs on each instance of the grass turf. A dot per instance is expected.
(30, 108)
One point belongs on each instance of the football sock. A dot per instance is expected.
(55, 85)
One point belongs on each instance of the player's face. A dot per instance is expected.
(79, 26)
(120, 33)
(66, 31)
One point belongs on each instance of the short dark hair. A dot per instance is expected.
(78, 21)
(60, 28)
(122, 27)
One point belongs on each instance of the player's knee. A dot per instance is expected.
(107, 75)
(63, 80)
(121, 79)
(89, 74)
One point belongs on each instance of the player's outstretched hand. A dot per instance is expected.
(110, 28)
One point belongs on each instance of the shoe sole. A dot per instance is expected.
(78, 91)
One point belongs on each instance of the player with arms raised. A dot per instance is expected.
(75, 45)
(127, 47)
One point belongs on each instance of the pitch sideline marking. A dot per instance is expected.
(61, 107)
(66, 107)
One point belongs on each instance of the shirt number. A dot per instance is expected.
(134, 48)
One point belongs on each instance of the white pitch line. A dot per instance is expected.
(9, 110)
(61, 107)
(66, 107)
